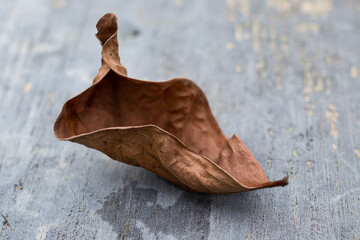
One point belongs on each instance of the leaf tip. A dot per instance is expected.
(284, 181)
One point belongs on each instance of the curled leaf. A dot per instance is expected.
(165, 127)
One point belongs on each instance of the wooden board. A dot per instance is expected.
(283, 75)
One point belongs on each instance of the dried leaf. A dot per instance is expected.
(165, 127)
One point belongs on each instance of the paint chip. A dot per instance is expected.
(230, 45)
(50, 97)
(319, 87)
(329, 59)
(271, 132)
(294, 152)
(59, 3)
(238, 69)
(331, 116)
(232, 10)
(308, 163)
(238, 33)
(178, 3)
(334, 147)
(316, 8)
(353, 72)
(309, 111)
(357, 152)
(27, 87)
(244, 6)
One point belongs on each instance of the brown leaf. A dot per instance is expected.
(165, 127)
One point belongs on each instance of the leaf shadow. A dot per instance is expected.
(135, 210)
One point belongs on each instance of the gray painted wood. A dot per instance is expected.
(283, 75)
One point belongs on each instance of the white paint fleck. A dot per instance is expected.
(42, 231)
(340, 196)
(46, 48)
(78, 75)
(147, 234)
(164, 199)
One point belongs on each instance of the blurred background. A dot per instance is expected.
(282, 74)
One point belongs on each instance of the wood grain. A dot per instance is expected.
(283, 75)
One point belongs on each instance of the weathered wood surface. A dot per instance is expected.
(283, 75)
